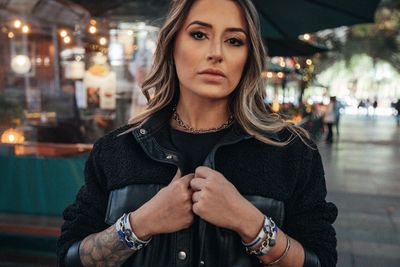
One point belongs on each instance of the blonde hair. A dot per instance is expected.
(246, 101)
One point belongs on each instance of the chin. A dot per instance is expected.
(215, 94)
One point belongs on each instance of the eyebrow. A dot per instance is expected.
(201, 23)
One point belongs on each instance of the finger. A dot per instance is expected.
(197, 184)
(187, 178)
(204, 172)
(196, 197)
(177, 176)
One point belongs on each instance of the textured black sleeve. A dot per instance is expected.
(309, 217)
(86, 215)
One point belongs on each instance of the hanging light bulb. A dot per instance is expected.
(103, 41)
(67, 39)
(17, 24)
(25, 29)
(92, 29)
(63, 33)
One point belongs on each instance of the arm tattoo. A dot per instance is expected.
(103, 249)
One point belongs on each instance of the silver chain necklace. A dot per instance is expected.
(190, 129)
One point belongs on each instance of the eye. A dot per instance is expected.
(198, 35)
(235, 42)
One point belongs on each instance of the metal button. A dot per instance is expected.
(169, 156)
(142, 131)
(201, 262)
(182, 255)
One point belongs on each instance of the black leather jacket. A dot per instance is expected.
(201, 245)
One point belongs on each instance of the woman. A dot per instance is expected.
(206, 176)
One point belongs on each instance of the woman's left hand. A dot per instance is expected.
(217, 201)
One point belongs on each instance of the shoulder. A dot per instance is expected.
(115, 141)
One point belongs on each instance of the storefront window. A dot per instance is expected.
(71, 82)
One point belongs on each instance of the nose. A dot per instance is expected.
(215, 52)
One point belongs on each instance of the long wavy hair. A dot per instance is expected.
(247, 100)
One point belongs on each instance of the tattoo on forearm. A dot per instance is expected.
(103, 249)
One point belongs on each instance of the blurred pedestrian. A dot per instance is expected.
(397, 108)
(330, 119)
(375, 105)
(206, 173)
(338, 109)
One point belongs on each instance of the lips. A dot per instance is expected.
(215, 72)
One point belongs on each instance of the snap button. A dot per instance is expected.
(142, 131)
(169, 156)
(182, 255)
(201, 262)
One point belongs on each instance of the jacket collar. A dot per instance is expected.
(153, 124)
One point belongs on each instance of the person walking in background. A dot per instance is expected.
(330, 119)
(397, 108)
(338, 110)
(375, 105)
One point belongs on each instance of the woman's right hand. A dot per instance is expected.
(170, 210)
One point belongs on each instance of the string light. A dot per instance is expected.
(25, 29)
(17, 24)
(93, 22)
(103, 41)
(92, 29)
(63, 33)
(308, 62)
(10, 35)
(297, 66)
(269, 74)
(67, 39)
(280, 75)
(306, 37)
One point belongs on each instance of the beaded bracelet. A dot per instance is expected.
(284, 254)
(127, 235)
(267, 243)
(260, 236)
(265, 239)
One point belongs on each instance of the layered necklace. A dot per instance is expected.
(190, 129)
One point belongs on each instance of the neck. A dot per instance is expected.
(202, 114)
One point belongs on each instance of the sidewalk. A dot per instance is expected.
(363, 178)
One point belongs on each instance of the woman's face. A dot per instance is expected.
(211, 49)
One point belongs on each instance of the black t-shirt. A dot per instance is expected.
(195, 147)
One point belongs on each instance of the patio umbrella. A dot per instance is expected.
(291, 48)
(280, 19)
(285, 19)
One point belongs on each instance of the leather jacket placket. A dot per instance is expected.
(158, 153)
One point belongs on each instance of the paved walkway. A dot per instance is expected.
(363, 178)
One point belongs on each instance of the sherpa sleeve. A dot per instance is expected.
(309, 217)
(86, 215)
